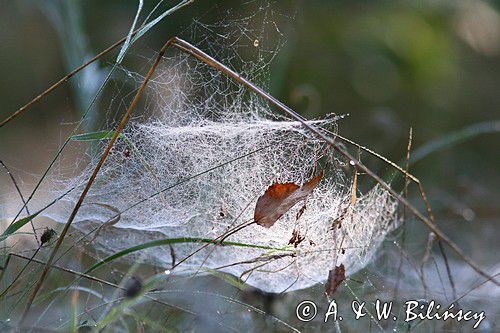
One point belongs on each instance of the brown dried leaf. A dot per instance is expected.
(279, 198)
(335, 278)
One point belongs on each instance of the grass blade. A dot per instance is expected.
(167, 241)
(18, 225)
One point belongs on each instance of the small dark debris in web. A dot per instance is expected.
(47, 236)
(296, 239)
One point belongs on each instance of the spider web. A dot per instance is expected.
(164, 178)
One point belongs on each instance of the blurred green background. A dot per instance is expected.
(390, 65)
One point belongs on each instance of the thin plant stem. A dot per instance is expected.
(403, 236)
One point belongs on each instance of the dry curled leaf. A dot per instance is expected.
(335, 278)
(279, 198)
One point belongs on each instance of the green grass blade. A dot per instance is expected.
(17, 225)
(228, 278)
(125, 45)
(167, 241)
